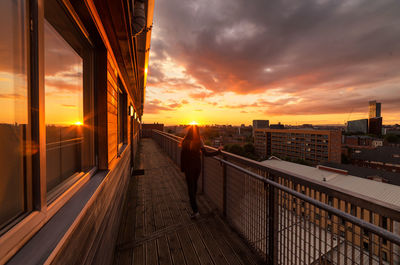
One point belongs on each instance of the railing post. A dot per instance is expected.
(224, 186)
(273, 208)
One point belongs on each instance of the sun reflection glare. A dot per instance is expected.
(79, 123)
(194, 123)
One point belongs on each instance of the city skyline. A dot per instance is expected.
(318, 62)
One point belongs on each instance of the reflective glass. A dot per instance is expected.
(14, 109)
(63, 109)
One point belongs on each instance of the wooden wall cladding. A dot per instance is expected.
(94, 238)
(112, 109)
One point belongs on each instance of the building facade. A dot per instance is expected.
(313, 146)
(260, 124)
(73, 86)
(375, 126)
(374, 109)
(357, 126)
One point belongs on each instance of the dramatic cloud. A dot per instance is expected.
(322, 56)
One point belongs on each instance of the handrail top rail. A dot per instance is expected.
(384, 208)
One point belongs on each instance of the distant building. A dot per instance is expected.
(260, 124)
(374, 109)
(358, 141)
(245, 130)
(382, 157)
(314, 146)
(277, 126)
(147, 128)
(375, 126)
(368, 173)
(260, 143)
(356, 126)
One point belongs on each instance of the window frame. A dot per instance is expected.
(27, 133)
(61, 19)
(38, 209)
(122, 117)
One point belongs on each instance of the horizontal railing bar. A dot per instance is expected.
(64, 141)
(350, 218)
(383, 208)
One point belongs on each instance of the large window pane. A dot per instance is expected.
(63, 109)
(14, 109)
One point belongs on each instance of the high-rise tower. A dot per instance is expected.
(374, 109)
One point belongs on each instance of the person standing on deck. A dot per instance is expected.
(192, 146)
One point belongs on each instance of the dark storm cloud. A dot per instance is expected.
(296, 46)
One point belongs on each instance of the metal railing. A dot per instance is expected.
(292, 220)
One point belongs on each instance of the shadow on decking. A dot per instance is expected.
(156, 227)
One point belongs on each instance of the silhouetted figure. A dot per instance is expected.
(192, 146)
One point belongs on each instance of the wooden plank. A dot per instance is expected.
(228, 252)
(151, 253)
(175, 249)
(182, 199)
(211, 245)
(139, 255)
(240, 249)
(175, 204)
(201, 250)
(139, 228)
(164, 201)
(188, 250)
(158, 219)
(149, 210)
(124, 257)
(164, 257)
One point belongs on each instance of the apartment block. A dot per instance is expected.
(314, 146)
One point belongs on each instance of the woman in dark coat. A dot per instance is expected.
(192, 147)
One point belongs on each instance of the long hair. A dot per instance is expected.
(192, 140)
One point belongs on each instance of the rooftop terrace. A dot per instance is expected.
(156, 227)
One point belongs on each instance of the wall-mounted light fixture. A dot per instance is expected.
(131, 110)
(135, 116)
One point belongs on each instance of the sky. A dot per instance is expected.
(295, 62)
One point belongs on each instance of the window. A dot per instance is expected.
(68, 93)
(122, 115)
(352, 210)
(330, 200)
(365, 246)
(384, 222)
(63, 108)
(14, 110)
(384, 256)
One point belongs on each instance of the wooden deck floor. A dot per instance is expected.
(156, 227)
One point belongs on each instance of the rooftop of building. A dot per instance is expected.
(376, 191)
(363, 172)
(384, 154)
